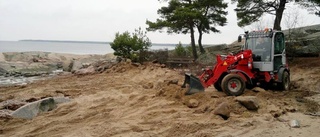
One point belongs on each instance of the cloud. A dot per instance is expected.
(95, 20)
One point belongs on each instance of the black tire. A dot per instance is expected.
(217, 85)
(285, 84)
(233, 80)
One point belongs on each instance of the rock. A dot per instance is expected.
(31, 110)
(30, 63)
(250, 102)
(11, 104)
(223, 110)
(294, 124)
(193, 103)
(3, 71)
(258, 89)
(11, 68)
(85, 71)
(76, 66)
(85, 65)
(59, 100)
(103, 65)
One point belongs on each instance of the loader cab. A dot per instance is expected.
(268, 48)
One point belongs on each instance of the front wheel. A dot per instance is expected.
(285, 84)
(233, 85)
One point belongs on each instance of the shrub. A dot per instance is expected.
(179, 50)
(129, 46)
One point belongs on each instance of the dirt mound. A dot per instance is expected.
(147, 100)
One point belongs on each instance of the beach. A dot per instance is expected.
(129, 99)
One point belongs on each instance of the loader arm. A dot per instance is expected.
(211, 76)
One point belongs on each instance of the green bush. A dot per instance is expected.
(179, 50)
(189, 51)
(129, 46)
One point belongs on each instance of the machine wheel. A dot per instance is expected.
(233, 85)
(217, 85)
(285, 84)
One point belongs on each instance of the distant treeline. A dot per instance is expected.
(92, 42)
(68, 41)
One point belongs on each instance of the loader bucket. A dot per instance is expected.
(195, 85)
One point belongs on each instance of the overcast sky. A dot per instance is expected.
(99, 20)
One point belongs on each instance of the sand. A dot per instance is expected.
(138, 101)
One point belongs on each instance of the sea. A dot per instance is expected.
(71, 47)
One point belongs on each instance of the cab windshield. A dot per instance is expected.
(261, 48)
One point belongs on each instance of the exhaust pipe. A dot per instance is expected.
(195, 84)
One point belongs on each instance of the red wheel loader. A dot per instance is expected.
(261, 62)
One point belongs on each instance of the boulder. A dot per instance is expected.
(104, 65)
(223, 110)
(294, 124)
(76, 65)
(84, 71)
(2, 71)
(250, 102)
(26, 69)
(31, 110)
(10, 68)
(193, 103)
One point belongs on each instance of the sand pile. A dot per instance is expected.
(146, 100)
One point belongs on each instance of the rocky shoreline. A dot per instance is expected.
(25, 67)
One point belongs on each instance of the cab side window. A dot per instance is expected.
(279, 43)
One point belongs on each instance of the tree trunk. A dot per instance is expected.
(193, 43)
(279, 13)
(200, 40)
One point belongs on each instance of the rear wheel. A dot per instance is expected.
(233, 85)
(285, 84)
